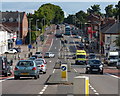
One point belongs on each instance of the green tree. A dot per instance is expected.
(118, 9)
(118, 41)
(109, 11)
(94, 9)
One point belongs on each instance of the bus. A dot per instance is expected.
(67, 30)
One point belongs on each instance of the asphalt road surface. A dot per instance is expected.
(99, 84)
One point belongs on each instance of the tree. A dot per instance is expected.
(109, 11)
(94, 9)
(118, 9)
(118, 41)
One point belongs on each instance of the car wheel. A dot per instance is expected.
(44, 72)
(101, 72)
(16, 77)
(6, 52)
(86, 72)
(38, 76)
(6, 74)
(35, 77)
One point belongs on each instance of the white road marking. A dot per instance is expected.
(6, 79)
(112, 75)
(75, 70)
(54, 71)
(94, 90)
(43, 90)
(49, 61)
(50, 45)
(55, 47)
(56, 39)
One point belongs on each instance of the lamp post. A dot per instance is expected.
(30, 31)
(36, 35)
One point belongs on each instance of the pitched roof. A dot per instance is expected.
(115, 28)
(4, 28)
(14, 15)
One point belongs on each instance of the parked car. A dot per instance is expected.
(5, 66)
(39, 54)
(11, 51)
(26, 68)
(41, 66)
(92, 56)
(49, 55)
(17, 49)
(41, 59)
(94, 65)
(118, 64)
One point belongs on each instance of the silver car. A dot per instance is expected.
(41, 66)
(49, 55)
(118, 64)
(39, 54)
(26, 68)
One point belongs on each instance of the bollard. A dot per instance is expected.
(64, 74)
(81, 85)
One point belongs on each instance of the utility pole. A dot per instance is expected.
(36, 35)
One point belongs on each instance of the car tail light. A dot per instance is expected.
(42, 65)
(34, 68)
(16, 68)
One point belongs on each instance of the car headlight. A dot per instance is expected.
(88, 65)
(101, 66)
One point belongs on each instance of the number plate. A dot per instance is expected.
(24, 73)
(94, 69)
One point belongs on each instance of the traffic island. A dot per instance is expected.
(55, 78)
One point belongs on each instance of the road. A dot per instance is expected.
(107, 83)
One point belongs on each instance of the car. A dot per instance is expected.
(39, 54)
(118, 64)
(49, 55)
(59, 35)
(41, 66)
(32, 58)
(94, 65)
(17, 49)
(26, 68)
(92, 56)
(5, 66)
(11, 51)
(35, 56)
(78, 37)
(41, 59)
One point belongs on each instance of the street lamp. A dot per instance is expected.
(36, 34)
(30, 30)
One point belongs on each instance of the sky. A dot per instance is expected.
(67, 7)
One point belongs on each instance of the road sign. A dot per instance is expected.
(29, 46)
(64, 76)
(63, 68)
(19, 42)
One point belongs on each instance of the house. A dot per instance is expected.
(109, 36)
(6, 36)
(17, 22)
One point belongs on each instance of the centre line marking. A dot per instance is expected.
(53, 70)
(44, 88)
(55, 47)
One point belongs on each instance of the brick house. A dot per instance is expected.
(16, 21)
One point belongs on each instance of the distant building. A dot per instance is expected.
(109, 36)
(5, 39)
(17, 22)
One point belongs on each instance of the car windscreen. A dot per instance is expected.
(25, 63)
(39, 62)
(38, 53)
(80, 56)
(92, 56)
(113, 57)
(94, 62)
(46, 53)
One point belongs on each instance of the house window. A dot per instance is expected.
(4, 20)
(11, 19)
(108, 40)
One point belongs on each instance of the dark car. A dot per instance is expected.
(94, 66)
(92, 56)
(5, 66)
(59, 35)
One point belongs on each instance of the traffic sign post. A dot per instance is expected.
(64, 76)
